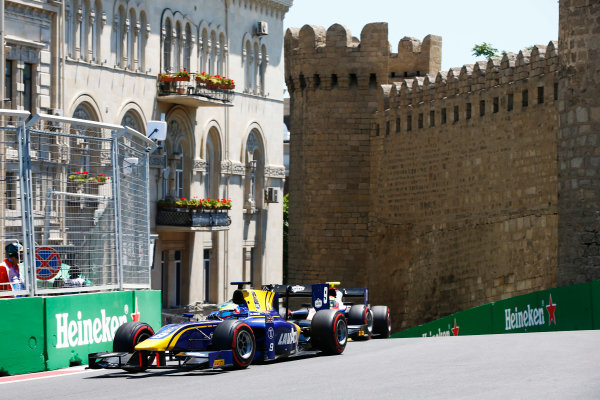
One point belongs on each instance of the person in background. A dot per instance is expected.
(75, 279)
(10, 278)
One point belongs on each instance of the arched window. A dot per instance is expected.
(208, 182)
(121, 38)
(222, 55)
(83, 27)
(213, 53)
(255, 166)
(179, 178)
(86, 30)
(167, 46)
(142, 40)
(178, 47)
(176, 160)
(204, 51)
(132, 120)
(187, 50)
(83, 151)
(213, 162)
(83, 112)
(262, 70)
(131, 40)
(248, 69)
(255, 67)
(97, 33)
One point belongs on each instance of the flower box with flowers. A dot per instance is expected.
(203, 77)
(86, 177)
(215, 81)
(165, 77)
(193, 212)
(182, 76)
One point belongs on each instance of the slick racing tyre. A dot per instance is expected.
(382, 324)
(237, 336)
(329, 331)
(361, 314)
(127, 337)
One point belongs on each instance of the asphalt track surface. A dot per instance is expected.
(554, 365)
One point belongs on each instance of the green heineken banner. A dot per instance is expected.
(55, 332)
(565, 308)
(86, 323)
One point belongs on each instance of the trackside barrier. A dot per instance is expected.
(23, 337)
(46, 333)
(565, 308)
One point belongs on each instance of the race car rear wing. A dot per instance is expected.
(356, 292)
(319, 293)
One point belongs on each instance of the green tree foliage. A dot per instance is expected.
(484, 49)
(286, 202)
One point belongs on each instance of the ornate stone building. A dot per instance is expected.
(99, 60)
(441, 190)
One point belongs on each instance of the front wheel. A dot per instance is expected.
(237, 336)
(329, 331)
(127, 337)
(382, 323)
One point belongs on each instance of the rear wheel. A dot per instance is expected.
(382, 323)
(361, 314)
(329, 331)
(127, 337)
(237, 336)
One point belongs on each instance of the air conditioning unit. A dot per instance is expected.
(262, 28)
(272, 195)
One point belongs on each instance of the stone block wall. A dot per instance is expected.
(579, 142)
(463, 187)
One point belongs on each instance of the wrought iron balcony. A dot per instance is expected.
(177, 217)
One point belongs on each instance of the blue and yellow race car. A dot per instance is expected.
(249, 329)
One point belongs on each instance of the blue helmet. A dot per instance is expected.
(226, 310)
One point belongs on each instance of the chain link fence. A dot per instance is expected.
(75, 196)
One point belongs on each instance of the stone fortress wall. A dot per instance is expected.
(463, 186)
(333, 83)
(440, 190)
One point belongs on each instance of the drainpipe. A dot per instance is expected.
(61, 46)
(57, 49)
(2, 55)
(2, 96)
(226, 126)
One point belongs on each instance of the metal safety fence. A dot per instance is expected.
(74, 204)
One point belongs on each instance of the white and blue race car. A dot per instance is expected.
(364, 321)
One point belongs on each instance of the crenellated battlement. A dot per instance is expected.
(328, 59)
(525, 68)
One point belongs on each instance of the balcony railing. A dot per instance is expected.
(193, 92)
(184, 217)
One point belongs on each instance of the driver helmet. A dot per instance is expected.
(332, 297)
(226, 310)
(14, 249)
